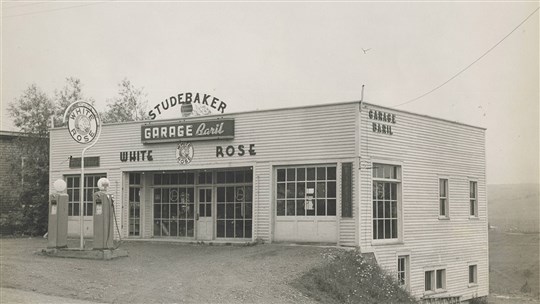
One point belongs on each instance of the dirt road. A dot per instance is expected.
(163, 273)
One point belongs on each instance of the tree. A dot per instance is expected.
(29, 161)
(71, 92)
(130, 104)
(32, 111)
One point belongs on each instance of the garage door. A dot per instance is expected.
(305, 204)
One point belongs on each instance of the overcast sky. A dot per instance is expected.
(272, 55)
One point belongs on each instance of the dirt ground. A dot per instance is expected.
(163, 273)
(158, 272)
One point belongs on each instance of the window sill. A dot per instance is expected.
(471, 285)
(434, 292)
(473, 217)
(383, 242)
(444, 218)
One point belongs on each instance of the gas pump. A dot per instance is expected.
(58, 217)
(103, 217)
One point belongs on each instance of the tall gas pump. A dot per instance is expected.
(58, 216)
(103, 217)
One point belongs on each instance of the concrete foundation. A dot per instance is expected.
(100, 254)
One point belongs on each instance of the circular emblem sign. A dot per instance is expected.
(83, 123)
(184, 153)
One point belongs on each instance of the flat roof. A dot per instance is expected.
(12, 133)
(424, 115)
(291, 108)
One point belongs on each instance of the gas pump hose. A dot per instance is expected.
(117, 229)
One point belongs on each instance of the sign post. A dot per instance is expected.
(84, 126)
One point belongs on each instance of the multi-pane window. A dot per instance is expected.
(472, 274)
(443, 197)
(135, 188)
(234, 204)
(473, 198)
(73, 191)
(435, 280)
(205, 178)
(386, 187)
(205, 202)
(174, 204)
(402, 270)
(306, 191)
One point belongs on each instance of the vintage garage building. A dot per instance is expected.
(407, 187)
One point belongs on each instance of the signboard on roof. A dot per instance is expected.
(188, 131)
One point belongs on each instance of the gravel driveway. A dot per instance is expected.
(157, 272)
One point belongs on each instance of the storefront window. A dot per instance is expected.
(179, 213)
(306, 191)
(234, 204)
(174, 204)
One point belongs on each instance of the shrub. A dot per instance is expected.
(478, 300)
(347, 277)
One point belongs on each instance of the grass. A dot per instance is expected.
(347, 277)
(514, 264)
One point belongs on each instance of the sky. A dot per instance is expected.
(266, 55)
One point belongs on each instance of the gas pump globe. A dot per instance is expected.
(103, 184)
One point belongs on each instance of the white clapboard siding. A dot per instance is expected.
(301, 135)
(429, 149)
(262, 206)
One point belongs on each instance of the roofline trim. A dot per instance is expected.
(287, 108)
(424, 115)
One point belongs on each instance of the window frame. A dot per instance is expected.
(444, 213)
(277, 199)
(71, 191)
(136, 190)
(405, 271)
(397, 180)
(475, 274)
(431, 281)
(473, 200)
(434, 280)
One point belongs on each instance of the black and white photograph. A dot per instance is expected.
(269, 151)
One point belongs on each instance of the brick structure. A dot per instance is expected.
(7, 147)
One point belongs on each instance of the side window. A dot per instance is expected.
(429, 278)
(386, 201)
(473, 274)
(473, 198)
(403, 271)
(443, 198)
(435, 280)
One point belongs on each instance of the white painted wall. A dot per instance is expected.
(295, 136)
(427, 149)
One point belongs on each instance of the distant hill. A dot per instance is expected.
(514, 207)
